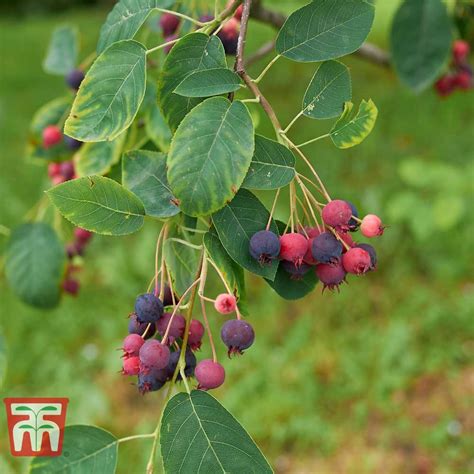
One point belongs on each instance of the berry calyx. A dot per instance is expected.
(135, 327)
(337, 214)
(209, 374)
(297, 272)
(225, 303)
(131, 345)
(237, 335)
(371, 226)
(293, 247)
(177, 327)
(327, 249)
(74, 79)
(153, 355)
(373, 255)
(331, 276)
(196, 331)
(264, 246)
(460, 51)
(52, 135)
(169, 23)
(356, 261)
(131, 366)
(148, 308)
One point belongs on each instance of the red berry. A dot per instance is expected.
(177, 327)
(238, 13)
(337, 214)
(132, 344)
(51, 136)
(356, 261)
(460, 51)
(293, 247)
(71, 286)
(311, 232)
(331, 276)
(209, 374)
(131, 366)
(153, 355)
(82, 235)
(54, 169)
(347, 239)
(229, 35)
(371, 226)
(445, 85)
(225, 303)
(196, 331)
(463, 80)
(169, 23)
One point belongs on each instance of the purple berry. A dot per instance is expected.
(153, 355)
(331, 276)
(353, 224)
(167, 295)
(67, 170)
(264, 246)
(189, 359)
(176, 329)
(326, 248)
(371, 251)
(169, 23)
(71, 286)
(135, 327)
(296, 272)
(148, 308)
(74, 79)
(209, 374)
(229, 35)
(196, 331)
(237, 335)
(151, 381)
(72, 143)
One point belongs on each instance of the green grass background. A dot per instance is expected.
(378, 378)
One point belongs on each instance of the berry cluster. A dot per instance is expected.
(152, 349)
(61, 172)
(328, 248)
(460, 74)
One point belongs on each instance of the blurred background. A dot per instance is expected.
(376, 379)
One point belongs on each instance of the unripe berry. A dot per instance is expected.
(293, 247)
(445, 85)
(74, 79)
(297, 272)
(326, 248)
(209, 374)
(54, 169)
(373, 255)
(178, 325)
(371, 226)
(72, 143)
(225, 303)
(148, 308)
(196, 331)
(229, 35)
(460, 51)
(51, 136)
(132, 344)
(131, 366)
(135, 327)
(153, 355)
(463, 80)
(237, 335)
(169, 23)
(58, 180)
(238, 13)
(337, 214)
(71, 286)
(151, 381)
(264, 246)
(311, 233)
(82, 235)
(331, 276)
(356, 261)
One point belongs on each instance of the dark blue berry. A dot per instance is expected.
(135, 327)
(264, 246)
(353, 224)
(148, 308)
(326, 248)
(74, 79)
(296, 272)
(237, 335)
(152, 380)
(190, 361)
(72, 143)
(371, 251)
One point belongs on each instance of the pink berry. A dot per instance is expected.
(131, 366)
(51, 136)
(337, 214)
(153, 355)
(209, 374)
(58, 180)
(371, 226)
(169, 23)
(225, 303)
(196, 331)
(460, 51)
(238, 13)
(293, 247)
(356, 261)
(82, 235)
(168, 39)
(331, 276)
(347, 239)
(54, 169)
(132, 344)
(177, 327)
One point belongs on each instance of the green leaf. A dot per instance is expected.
(236, 223)
(325, 29)
(98, 158)
(62, 52)
(272, 166)
(193, 52)
(99, 205)
(352, 129)
(144, 173)
(207, 174)
(157, 129)
(86, 450)
(3, 358)
(198, 434)
(35, 260)
(110, 95)
(328, 90)
(209, 82)
(182, 262)
(291, 289)
(125, 19)
(420, 41)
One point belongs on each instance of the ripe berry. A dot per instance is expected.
(331, 276)
(209, 374)
(373, 255)
(153, 355)
(445, 85)
(347, 239)
(225, 303)
(131, 366)
(135, 327)
(353, 224)
(51, 136)
(82, 235)
(167, 295)
(293, 247)
(229, 35)
(326, 248)
(264, 246)
(371, 226)
(311, 233)
(72, 143)
(169, 23)
(74, 79)
(151, 381)
(71, 286)
(196, 331)
(54, 169)
(238, 13)
(148, 308)
(296, 272)
(67, 170)
(460, 51)
(337, 214)
(178, 324)
(73, 249)
(189, 359)
(237, 335)
(463, 80)
(356, 261)
(132, 344)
